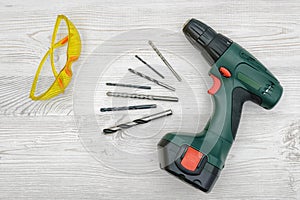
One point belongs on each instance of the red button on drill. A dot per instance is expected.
(225, 72)
(191, 159)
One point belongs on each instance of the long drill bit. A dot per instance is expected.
(137, 107)
(142, 96)
(129, 85)
(164, 60)
(151, 79)
(142, 120)
(140, 59)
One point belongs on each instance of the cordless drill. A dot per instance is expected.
(237, 77)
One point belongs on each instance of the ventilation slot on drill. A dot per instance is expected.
(268, 89)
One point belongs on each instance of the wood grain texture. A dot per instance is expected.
(41, 153)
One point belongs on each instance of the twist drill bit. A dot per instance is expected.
(143, 120)
(137, 107)
(129, 85)
(151, 79)
(142, 96)
(140, 59)
(164, 60)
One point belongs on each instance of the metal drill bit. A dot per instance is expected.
(159, 74)
(164, 60)
(151, 79)
(137, 107)
(129, 85)
(142, 96)
(143, 120)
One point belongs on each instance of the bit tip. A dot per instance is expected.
(108, 131)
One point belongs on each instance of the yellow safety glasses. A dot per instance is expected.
(63, 78)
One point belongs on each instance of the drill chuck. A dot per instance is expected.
(212, 44)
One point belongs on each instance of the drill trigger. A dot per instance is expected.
(216, 85)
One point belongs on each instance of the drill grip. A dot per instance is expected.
(198, 159)
(239, 97)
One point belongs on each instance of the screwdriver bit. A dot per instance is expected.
(140, 59)
(142, 96)
(151, 79)
(142, 120)
(129, 85)
(137, 107)
(164, 60)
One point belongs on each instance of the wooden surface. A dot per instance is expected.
(43, 155)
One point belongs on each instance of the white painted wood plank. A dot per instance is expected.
(41, 156)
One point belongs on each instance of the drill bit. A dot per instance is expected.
(142, 120)
(142, 96)
(137, 107)
(159, 74)
(151, 79)
(129, 85)
(164, 60)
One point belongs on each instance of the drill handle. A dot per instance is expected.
(239, 97)
(216, 139)
(228, 103)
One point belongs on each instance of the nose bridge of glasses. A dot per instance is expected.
(63, 79)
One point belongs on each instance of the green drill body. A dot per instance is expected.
(244, 79)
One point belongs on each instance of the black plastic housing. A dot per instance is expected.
(170, 156)
(211, 43)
